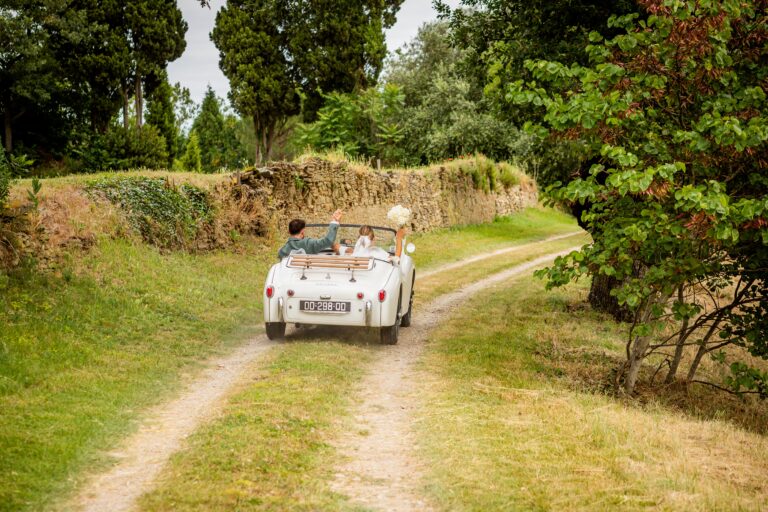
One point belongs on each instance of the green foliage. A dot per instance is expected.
(161, 115)
(219, 143)
(33, 193)
(445, 114)
(134, 149)
(359, 124)
(164, 214)
(274, 53)
(68, 67)
(192, 160)
(677, 135)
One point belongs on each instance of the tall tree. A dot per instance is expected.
(160, 113)
(337, 45)
(272, 50)
(156, 33)
(209, 127)
(673, 114)
(253, 54)
(28, 67)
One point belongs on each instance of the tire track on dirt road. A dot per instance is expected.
(380, 471)
(498, 252)
(142, 455)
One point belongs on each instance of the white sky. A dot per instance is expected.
(199, 66)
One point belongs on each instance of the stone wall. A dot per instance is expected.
(439, 197)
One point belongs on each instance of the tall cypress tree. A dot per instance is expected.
(160, 113)
(209, 126)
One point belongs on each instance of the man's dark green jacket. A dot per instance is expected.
(310, 245)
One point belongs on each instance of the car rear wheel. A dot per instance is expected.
(390, 334)
(406, 320)
(275, 330)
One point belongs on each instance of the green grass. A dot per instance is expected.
(86, 348)
(268, 450)
(453, 244)
(82, 352)
(514, 418)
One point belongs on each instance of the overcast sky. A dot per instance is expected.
(199, 66)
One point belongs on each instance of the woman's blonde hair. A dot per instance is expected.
(366, 231)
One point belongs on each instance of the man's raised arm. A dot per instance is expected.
(315, 245)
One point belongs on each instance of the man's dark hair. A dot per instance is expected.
(296, 225)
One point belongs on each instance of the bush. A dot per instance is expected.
(136, 148)
(163, 214)
(508, 175)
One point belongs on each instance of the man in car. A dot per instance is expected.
(298, 241)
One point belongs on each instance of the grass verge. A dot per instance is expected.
(506, 426)
(82, 351)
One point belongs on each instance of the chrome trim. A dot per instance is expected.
(280, 314)
(368, 309)
(325, 297)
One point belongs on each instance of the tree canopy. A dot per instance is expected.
(279, 56)
(673, 114)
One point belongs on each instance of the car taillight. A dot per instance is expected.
(270, 291)
(382, 295)
(360, 295)
(290, 293)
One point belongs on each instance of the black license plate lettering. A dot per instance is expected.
(324, 306)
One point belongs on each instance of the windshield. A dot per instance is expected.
(348, 234)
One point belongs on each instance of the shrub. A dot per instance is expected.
(136, 148)
(508, 175)
(163, 214)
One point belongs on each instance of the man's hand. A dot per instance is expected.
(337, 215)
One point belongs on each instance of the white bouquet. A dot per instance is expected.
(399, 215)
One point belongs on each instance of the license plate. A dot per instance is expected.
(324, 306)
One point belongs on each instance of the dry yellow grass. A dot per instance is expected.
(504, 427)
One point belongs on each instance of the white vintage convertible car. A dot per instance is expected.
(343, 290)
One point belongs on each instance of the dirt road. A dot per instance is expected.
(380, 472)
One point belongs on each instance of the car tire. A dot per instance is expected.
(390, 334)
(275, 330)
(406, 320)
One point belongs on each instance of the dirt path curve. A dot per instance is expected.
(498, 252)
(143, 455)
(380, 471)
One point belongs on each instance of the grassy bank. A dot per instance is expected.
(88, 346)
(515, 418)
(84, 349)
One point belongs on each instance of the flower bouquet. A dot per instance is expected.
(399, 215)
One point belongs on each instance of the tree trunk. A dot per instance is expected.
(8, 131)
(682, 337)
(703, 347)
(640, 345)
(256, 130)
(600, 297)
(124, 92)
(139, 102)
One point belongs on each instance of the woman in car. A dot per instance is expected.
(365, 245)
